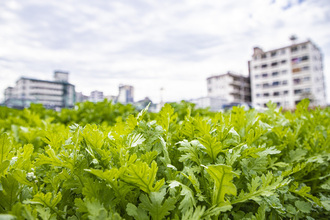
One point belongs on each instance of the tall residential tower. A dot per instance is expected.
(287, 75)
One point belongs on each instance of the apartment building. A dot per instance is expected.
(230, 87)
(126, 94)
(287, 75)
(96, 96)
(52, 94)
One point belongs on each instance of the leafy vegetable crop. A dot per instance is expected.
(107, 161)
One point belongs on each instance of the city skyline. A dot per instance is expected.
(151, 45)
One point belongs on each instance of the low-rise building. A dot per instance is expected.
(80, 97)
(213, 103)
(230, 87)
(52, 94)
(96, 96)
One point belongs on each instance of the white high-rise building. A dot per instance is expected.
(287, 75)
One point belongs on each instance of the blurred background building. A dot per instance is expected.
(96, 96)
(287, 75)
(126, 94)
(52, 94)
(230, 87)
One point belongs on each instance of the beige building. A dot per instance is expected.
(230, 87)
(287, 75)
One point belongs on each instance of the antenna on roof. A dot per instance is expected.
(293, 38)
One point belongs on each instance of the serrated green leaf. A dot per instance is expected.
(269, 151)
(135, 140)
(137, 213)
(21, 177)
(192, 151)
(9, 193)
(48, 199)
(5, 147)
(211, 146)
(157, 205)
(303, 191)
(188, 200)
(223, 177)
(143, 176)
(195, 214)
(265, 185)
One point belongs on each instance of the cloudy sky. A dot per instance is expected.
(150, 44)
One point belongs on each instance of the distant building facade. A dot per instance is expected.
(96, 96)
(230, 87)
(52, 94)
(213, 103)
(287, 75)
(126, 94)
(80, 97)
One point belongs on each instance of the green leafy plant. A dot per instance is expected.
(108, 161)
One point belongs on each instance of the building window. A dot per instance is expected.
(307, 78)
(263, 65)
(276, 83)
(256, 76)
(278, 104)
(285, 82)
(305, 68)
(273, 54)
(274, 73)
(283, 51)
(274, 64)
(258, 85)
(265, 85)
(255, 67)
(258, 94)
(266, 94)
(285, 92)
(297, 91)
(276, 93)
(304, 58)
(263, 56)
(283, 61)
(294, 49)
(303, 47)
(296, 81)
(284, 72)
(264, 75)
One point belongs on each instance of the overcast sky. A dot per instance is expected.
(150, 44)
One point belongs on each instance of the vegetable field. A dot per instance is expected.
(109, 161)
